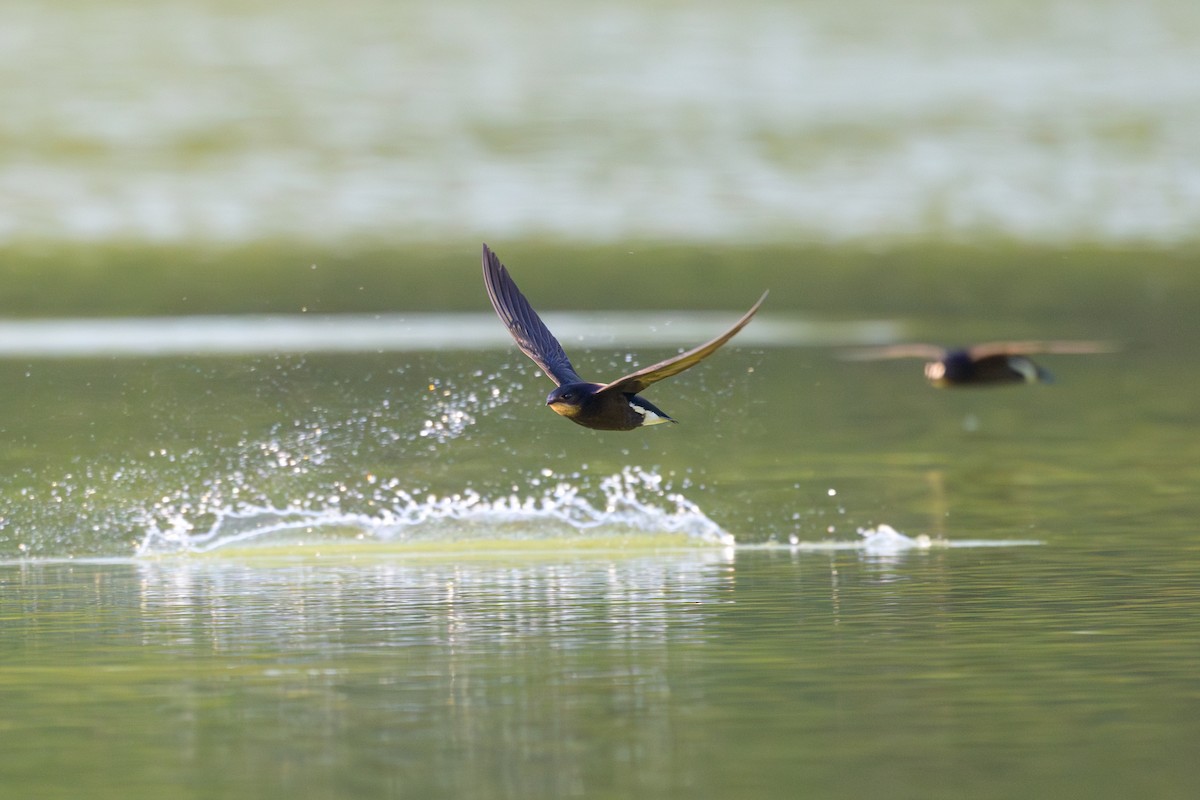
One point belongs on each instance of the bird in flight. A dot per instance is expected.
(981, 365)
(614, 406)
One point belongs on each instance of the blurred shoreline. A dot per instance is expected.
(1055, 123)
(984, 280)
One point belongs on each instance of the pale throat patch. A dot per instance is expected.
(565, 409)
(648, 416)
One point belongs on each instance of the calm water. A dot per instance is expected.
(282, 513)
(1043, 671)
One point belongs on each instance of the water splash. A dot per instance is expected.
(884, 541)
(453, 411)
(324, 463)
(633, 501)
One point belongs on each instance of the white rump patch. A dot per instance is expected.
(1026, 368)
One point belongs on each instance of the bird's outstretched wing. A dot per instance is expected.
(526, 327)
(930, 352)
(1032, 348)
(637, 381)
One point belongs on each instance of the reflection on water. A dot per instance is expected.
(450, 679)
(665, 675)
(465, 607)
(1052, 121)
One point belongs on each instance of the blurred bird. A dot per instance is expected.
(614, 406)
(983, 364)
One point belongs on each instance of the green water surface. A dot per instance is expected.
(1036, 672)
(554, 668)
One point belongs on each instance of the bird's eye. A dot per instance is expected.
(568, 396)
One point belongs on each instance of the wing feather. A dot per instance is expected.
(930, 352)
(526, 327)
(1031, 348)
(638, 381)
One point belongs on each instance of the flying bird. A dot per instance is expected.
(981, 365)
(614, 406)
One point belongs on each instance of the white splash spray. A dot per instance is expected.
(631, 502)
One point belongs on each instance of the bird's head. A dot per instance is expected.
(956, 366)
(569, 399)
(935, 373)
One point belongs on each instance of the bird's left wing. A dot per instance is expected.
(638, 381)
(931, 352)
(526, 327)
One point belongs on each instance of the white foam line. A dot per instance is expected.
(310, 333)
(866, 547)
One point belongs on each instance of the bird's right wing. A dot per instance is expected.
(1031, 348)
(526, 327)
